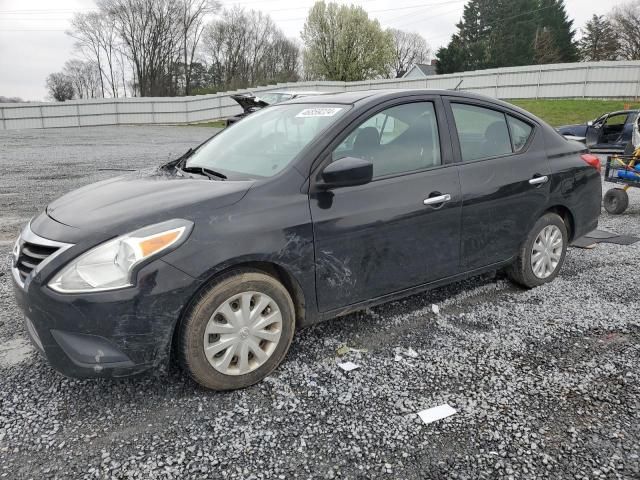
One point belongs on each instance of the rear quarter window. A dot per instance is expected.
(520, 133)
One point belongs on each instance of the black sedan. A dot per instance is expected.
(303, 211)
(609, 133)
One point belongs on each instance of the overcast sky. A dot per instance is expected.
(33, 42)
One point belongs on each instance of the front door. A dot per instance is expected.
(594, 134)
(403, 228)
(608, 133)
(505, 178)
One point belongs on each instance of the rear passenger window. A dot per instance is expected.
(520, 132)
(483, 132)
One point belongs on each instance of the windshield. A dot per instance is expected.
(265, 142)
(272, 98)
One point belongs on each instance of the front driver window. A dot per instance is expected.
(615, 123)
(397, 140)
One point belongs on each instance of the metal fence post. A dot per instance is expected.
(586, 82)
(4, 124)
(538, 84)
(41, 116)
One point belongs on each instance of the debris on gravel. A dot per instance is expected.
(545, 382)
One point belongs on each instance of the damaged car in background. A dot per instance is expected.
(304, 211)
(251, 103)
(615, 132)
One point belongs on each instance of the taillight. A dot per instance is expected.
(592, 160)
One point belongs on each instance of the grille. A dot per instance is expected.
(31, 255)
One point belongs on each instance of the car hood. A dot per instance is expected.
(249, 103)
(143, 198)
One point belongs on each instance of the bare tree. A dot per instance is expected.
(97, 38)
(408, 49)
(59, 86)
(245, 48)
(544, 48)
(192, 24)
(150, 32)
(86, 29)
(85, 77)
(626, 19)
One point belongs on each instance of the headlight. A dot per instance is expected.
(110, 265)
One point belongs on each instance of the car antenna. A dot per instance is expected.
(459, 83)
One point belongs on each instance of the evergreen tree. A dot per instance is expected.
(554, 18)
(502, 33)
(451, 58)
(513, 33)
(599, 40)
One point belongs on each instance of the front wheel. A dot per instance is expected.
(238, 331)
(542, 254)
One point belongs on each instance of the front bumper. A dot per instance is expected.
(113, 333)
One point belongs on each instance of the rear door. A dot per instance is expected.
(379, 238)
(504, 176)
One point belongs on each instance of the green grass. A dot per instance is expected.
(567, 112)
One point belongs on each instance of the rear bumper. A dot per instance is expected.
(107, 334)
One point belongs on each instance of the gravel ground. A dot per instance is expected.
(546, 382)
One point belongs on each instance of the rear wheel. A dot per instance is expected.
(238, 331)
(616, 201)
(541, 256)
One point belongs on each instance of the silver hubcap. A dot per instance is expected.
(242, 333)
(547, 251)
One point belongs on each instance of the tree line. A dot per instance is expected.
(184, 47)
(506, 33)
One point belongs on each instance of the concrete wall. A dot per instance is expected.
(573, 80)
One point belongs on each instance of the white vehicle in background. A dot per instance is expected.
(635, 137)
(250, 102)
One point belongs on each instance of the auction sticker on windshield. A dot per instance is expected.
(318, 112)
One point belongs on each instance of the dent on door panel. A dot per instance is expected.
(380, 238)
(500, 205)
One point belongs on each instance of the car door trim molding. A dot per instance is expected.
(455, 139)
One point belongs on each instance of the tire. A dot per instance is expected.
(616, 201)
(213, 311)
(522, 270)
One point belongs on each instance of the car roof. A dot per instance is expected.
(376, 96)
(617, 112)
(296, 92)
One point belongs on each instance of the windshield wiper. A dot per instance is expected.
(178, 161)
(207, 172)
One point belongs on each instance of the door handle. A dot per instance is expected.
(436, 200)
(539, 180)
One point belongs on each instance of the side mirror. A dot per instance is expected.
(346, 172)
